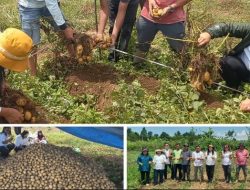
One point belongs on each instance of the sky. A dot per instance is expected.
(218, 131)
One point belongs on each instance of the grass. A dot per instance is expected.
(134, 178)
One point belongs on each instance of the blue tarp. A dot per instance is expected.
(111, 136)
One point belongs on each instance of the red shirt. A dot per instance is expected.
(178, 15)
(241, 157)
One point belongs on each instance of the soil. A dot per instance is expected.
(10, 98)
(212, 101)
(102, 80)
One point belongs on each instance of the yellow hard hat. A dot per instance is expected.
(15, 46)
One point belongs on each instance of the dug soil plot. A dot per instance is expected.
(102, 80)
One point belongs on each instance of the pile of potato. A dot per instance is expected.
(85, 43)
(41, 166)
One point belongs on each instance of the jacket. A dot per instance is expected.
(237, 30)
(144, 160)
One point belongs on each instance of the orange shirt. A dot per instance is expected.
(177, 15)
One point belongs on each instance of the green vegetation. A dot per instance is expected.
(174, 102)
(154, 141)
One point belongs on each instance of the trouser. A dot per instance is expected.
(19, 148)
(158, 176)
(196, 170)
(172, 170)
(177, 167)
(145, 177)
(234, 71)
(166, 170)
(5, 150)
(186, 172)
(210, 172)
(128, 24)
(146, 31)
(227, 172)
(244, 169)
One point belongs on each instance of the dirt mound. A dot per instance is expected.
(101, 80)
(10, 98)
(48, 166)
(212, 101)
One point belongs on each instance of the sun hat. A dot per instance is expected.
(211, 146)
(158, 150)
(15, 46)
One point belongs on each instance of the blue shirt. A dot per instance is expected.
(145, 167)
(52, 6)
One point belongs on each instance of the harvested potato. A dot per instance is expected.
(89, 58)
(210, 82)
(80, 60)
(206, 76)
(41, 166)
(21, 102)
(27, 116)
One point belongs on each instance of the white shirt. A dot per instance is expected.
(3, 137)
(197, 155)
(211, 158)
(20, 141)
(167, 154)
(159, 162)
(226, 158)
(245, 57)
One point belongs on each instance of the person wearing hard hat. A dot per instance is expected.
(15, 47)
(30, 14)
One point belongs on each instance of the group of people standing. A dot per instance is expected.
(179, 162)
(22, 140)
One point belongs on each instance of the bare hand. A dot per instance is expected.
(12, 115)
(152, 4)
(69, 34)
(245, 105)
(204, 39)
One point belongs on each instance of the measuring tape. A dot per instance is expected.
(172, 69)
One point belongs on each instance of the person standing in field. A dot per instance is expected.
(177, 162)
(241, 156)
(226, 163)
(211, 157)
(6, 144)
(31, 13)
(186, 156)
(198, 157)
(168, 153)
(122, 16)
(144, 161)
(171, 22)
(159, 162)
(15, 47)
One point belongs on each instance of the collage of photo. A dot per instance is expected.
(124, 94)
